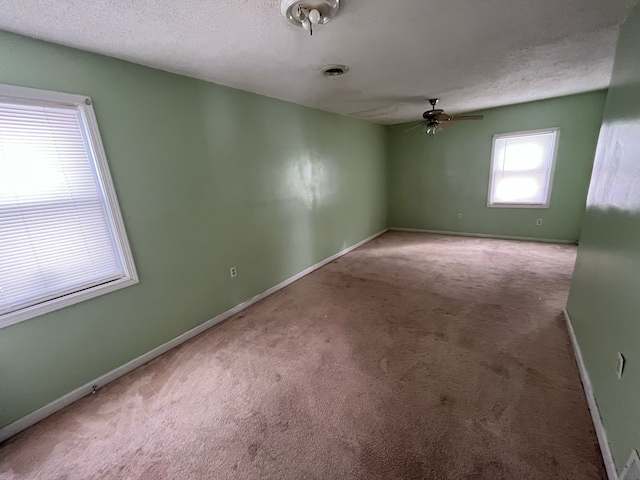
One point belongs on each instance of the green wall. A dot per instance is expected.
(431, 180)
(604, 304)
(207, 177)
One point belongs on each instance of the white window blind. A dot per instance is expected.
(522, 168)
(57, 234)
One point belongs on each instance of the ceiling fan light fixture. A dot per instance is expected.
(432, 129)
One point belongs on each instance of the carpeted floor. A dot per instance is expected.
(414, 357)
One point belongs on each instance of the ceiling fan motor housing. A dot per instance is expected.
(428, 115)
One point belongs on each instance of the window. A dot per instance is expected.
(522, 169)
(62, 239)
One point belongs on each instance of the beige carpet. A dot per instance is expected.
(414, 357)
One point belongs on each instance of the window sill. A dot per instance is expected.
(517, 205)
(27, 313)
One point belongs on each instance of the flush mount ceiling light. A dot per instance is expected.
(308, 13)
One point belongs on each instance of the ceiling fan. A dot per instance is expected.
(436, 119)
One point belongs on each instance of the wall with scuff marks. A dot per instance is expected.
(604, 303)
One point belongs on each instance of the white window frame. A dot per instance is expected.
(556, 131)
(98, 157)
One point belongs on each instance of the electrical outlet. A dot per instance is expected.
(620, 365)
(539, 221)
(459, 216)
(233, 271)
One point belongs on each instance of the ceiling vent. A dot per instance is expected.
(334, 70)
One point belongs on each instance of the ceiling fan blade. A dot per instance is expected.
(442, 117)
(467, 117)
(446, 125)
(421, 124)
(399, 125)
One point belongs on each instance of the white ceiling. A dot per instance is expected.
(473, 54)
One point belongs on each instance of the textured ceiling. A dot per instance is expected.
(473, 54)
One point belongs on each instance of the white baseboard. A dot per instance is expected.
(483, 235)
(78, 393)
(593, 405)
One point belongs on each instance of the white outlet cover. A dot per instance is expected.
(233, 271)
(539, 221)
(631, 470)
